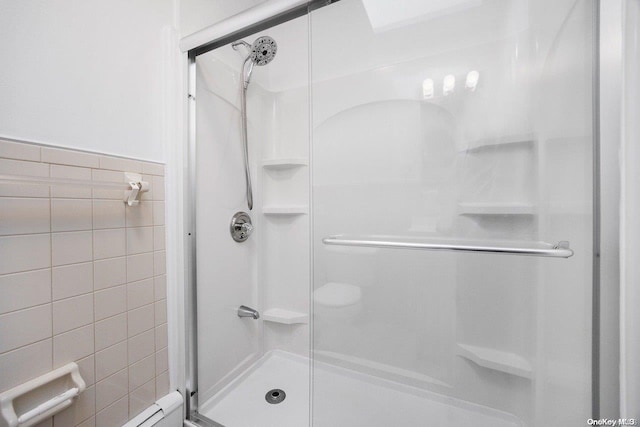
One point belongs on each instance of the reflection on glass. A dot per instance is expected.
(460, 120)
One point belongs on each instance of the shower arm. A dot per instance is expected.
(245, 143)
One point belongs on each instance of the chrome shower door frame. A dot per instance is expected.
(190, 226)
(190, 303)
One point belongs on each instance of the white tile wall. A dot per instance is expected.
(110, 331)
(142, 397)
(111, 360)
(115, 415)
(109, 213)
(109, 243)
(70, 172)
(72, 280)
(141, 346)
(15, 150)
(82, 279)
(111, 389)
(142, 372)
(71, 248)
(25, 362)
(71, 313)
(71, 215)
(110, 302)
(34, 324)
(140, 294)
(22, 290)
(24, 216)
(109, 272)
(25, 252)
(140, 266)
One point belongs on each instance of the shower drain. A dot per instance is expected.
(275, 396)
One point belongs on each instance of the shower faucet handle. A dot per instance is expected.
(244, 230)
(241, 227)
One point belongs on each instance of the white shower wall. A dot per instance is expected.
(270, 271)
(510, 160)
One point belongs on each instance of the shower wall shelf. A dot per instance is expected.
(502, 142)
(286, 317)
(285, 210)
(496, 360)
(285, 163)
(480, 208)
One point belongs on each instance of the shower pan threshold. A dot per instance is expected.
(338, 395)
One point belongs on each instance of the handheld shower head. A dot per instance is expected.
(263, 50)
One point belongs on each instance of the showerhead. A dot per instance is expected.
(263, 50)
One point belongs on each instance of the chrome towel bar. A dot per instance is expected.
(541, 249)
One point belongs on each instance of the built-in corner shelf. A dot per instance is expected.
(285, 163)
(287, 317)
(496, 360)
(501, 142)
(477, 208)
(285, 210)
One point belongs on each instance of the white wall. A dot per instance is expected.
(610, 111)
(630, 232)
(198, 14)
(85, 74)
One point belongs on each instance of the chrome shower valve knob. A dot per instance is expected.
(241, 227)
(246, 228)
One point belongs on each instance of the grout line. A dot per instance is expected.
(93, 269)
(29, 308)
(73, 296)
(110, 317)
(50, 262)
(31, 343)
(49, 232)
(95, 364)
(126, 277)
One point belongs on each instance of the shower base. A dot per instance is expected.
(342, 398)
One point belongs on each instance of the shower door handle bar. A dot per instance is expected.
(559, 250)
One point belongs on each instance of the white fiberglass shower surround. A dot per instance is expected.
(421, 237)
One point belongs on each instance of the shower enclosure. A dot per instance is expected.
(421, 242)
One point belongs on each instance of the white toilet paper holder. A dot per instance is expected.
(40, 398)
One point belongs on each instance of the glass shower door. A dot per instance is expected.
(452, 212)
